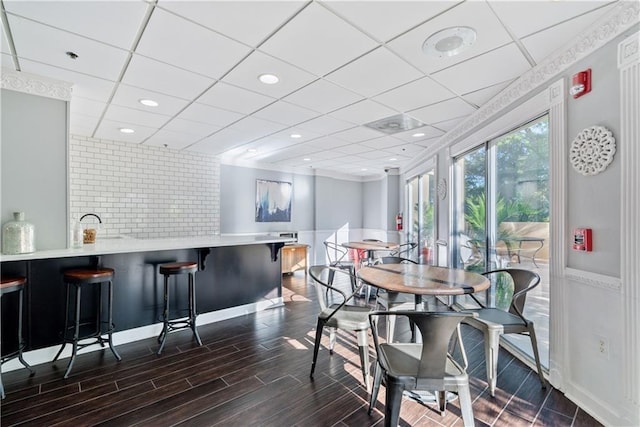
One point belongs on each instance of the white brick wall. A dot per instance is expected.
(144, 191)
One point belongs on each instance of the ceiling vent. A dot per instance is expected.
(395, 124)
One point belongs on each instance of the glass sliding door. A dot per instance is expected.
(501, 219)
(469, 240)
(421, 221)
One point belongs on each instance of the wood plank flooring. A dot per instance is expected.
(254, 371)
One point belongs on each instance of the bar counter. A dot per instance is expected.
(237, 275)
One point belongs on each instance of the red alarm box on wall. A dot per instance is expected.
(582, 240)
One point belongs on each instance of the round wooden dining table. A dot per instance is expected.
(422, 279)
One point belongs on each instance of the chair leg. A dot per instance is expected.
(316, 345)
(76, 334)
(192, 307)
(441, 398)
(363, 347)
(465, 405)
(377, 379)
(392, 404)
(534, 344)
(110, 322)
(162, 338)
(491, 349)
(332, 340)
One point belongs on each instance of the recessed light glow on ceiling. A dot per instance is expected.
(268, 79)
(148, 102)
(126, 130)
(307, 159)
(295, 135)
(393, 159)
(364, 169)
(252, 150)
(449, 42)
(418, 135)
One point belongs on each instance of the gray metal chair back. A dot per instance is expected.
(494, 322)
(336, 312)
(425, 366)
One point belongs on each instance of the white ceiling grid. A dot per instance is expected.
(341, 64)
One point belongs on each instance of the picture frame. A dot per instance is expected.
(273, 201)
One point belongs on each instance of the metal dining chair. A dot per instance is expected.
(338, 257)
(336, 312)
(494, 322)
(425, 366)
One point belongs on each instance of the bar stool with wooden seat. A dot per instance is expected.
(79, 278)
(8, 285)
(174, 269)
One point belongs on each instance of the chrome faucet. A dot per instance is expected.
(90, 214)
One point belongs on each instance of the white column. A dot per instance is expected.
(557, 231)
(629, 154)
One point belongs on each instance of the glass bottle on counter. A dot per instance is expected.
(77, 235)
(18, 236)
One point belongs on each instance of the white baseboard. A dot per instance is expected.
(46, 355)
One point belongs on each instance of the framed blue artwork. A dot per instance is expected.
(273, 201)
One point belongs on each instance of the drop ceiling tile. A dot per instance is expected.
(285, 136)
(176, 41)
(117, 113)
(480, 97)
(448, 125)
(444, 110)
(191, 127)
(246, 75)
(353, 149)
(86, 107)
(130, 96)
(384, 20)
(363, 112)
(498, 66)
(357, 134)
(233, 98)
(285, 113)
(83, 86)
(474, 14)
(527, 17)
(7, 61)
(375, 72)
(221, 141)
(323, 96)
(4, 45)
(251, 128)
(48, 45)
(325, 125)
(318, 41)
(405, 151)
(169, 139)
(374, 155)
(157, 76)
(93, 19)
(247, 21)
(214, 116)
(544, 43)
(326, 143)
(430, 141)
(408, 136)
(111, 130)
(414, 95)
(382, 142)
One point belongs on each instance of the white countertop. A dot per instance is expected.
(128, 245)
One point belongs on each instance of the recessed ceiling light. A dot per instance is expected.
(268, 79)
(449, 42)
(393, 159)
(126, 130)
(148, 102)
(306, 159)
(295, 135)
(418, 134)
(364, 169)
(252, 150)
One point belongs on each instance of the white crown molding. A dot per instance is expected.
(621, 18)
(593, 279)
(35, 85)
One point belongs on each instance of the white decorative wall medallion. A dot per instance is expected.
(442, 188)
(592, 150)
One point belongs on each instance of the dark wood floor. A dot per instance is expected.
(254, 370)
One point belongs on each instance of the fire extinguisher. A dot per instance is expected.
(399, 222)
